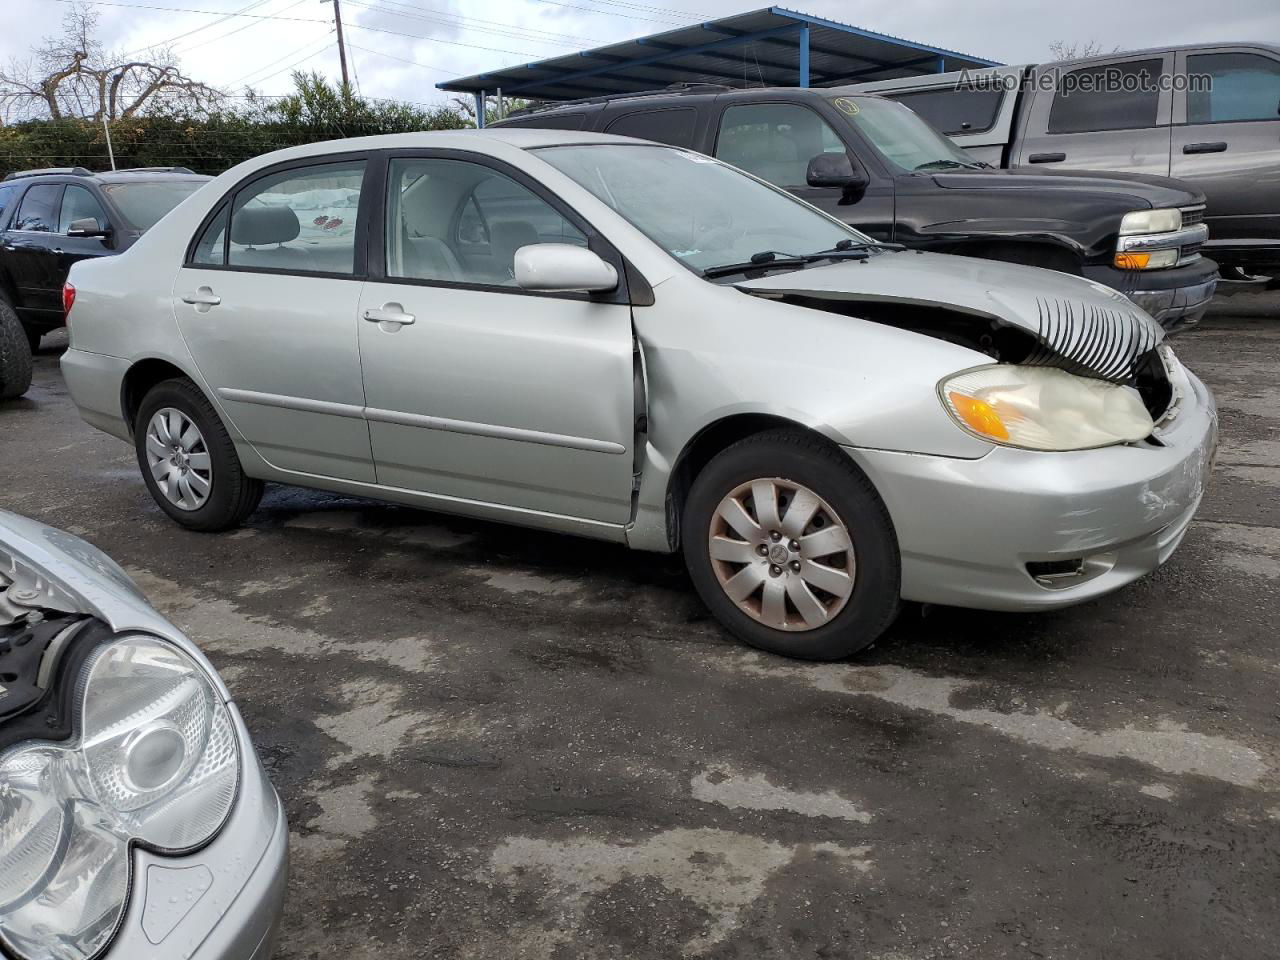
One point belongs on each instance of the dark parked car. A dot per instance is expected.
(877, 166)
(49, 219)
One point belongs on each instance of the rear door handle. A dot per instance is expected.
(1217, 146)
(1046, 158)
(389, 313)
(204, 297)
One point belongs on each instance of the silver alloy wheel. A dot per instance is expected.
(782, 554)
(179, 459)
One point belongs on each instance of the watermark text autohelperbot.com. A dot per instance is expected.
(1105, 80)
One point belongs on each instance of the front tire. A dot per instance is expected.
(189, 461)
(15, 355)
(791, 548)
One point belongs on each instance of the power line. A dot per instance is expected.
(391, 56)
(471, 23)
(231, 33)
(310, 43)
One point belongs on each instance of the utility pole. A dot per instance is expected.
(342, 47)
(107, 130)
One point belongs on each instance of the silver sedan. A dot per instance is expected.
(135, 819)
(637, 343)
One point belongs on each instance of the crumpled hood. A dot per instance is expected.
(1079, 323)
(74, 576)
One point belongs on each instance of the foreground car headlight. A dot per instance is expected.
(154, 760)
(1043, 408)
(1164, 220)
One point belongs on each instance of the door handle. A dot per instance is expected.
(1046, 158)
(204, 297)
(389, 313)
(1217, 146)
(58, 251)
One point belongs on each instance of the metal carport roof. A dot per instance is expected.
(767, 47)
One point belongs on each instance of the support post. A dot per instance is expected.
(479, 109)
(342, 46)
(804, 55)
(942, 64)
(106, 128)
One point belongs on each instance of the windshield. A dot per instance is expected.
(901, 136)
(702, 212)
(145, 202)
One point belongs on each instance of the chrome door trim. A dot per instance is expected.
(292, 403)
(376, 415)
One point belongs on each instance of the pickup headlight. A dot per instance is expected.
(1043, 408)
(154, 760)
(1165, 220)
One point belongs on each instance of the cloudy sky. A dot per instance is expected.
(402, 48)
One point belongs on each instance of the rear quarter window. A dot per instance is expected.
(674, 127)
(7, 194)
(560, 121)
(954, 111)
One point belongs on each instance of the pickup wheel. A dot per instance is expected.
(791, 548)
(15, 355)
(189, 461)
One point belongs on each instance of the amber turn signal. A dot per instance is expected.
(978, 415)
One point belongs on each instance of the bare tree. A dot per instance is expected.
(73, 75)
(1061, 50)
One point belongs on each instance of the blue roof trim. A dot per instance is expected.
(872, 35)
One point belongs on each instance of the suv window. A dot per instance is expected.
(665, 126)
(463, 222)
(563, 121)
(775, 141)
(1241, 86)
(954, 111)
(7, 193)
(38, 211)
(77, 204)
(301, 220)
(1114, 96)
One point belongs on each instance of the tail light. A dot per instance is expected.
(68, 300)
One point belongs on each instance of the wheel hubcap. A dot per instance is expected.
(782, 554)
(178, 459)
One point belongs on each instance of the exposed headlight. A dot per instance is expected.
(154, 760)
(1151, 221)
(1042, 408)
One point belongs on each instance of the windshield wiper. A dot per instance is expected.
(764, 260)
(946, 165)
(849, 249)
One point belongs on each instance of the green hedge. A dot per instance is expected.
(211, 143)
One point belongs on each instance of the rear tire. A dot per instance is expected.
(832, 604)
(15, 355)
(227, 495)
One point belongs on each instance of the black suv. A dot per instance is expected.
(879, 167)
(49, 219)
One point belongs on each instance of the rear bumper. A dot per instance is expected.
(1176, 298)
(968, 529)
(94, 381)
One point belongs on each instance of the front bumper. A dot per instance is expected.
(1176, 298)
(968, 529)
(222, 902)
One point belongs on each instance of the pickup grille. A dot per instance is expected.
(1192, 215)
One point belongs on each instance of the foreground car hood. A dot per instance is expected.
(1082, 323)
(74, 576)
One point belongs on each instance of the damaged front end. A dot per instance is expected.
(1012, 314)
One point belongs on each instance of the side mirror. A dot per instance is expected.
(562, 268)
(837, 170)
(86, 227)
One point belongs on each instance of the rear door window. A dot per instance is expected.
(301, 220)
(674, 127)
(1113, 96)
(1232, 86)
(954, 111)
(38, 211)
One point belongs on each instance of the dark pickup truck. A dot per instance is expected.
(877, 166)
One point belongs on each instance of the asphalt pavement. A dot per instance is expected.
(497, 744)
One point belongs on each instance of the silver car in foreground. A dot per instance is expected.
(136, 822)
(637, 343)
